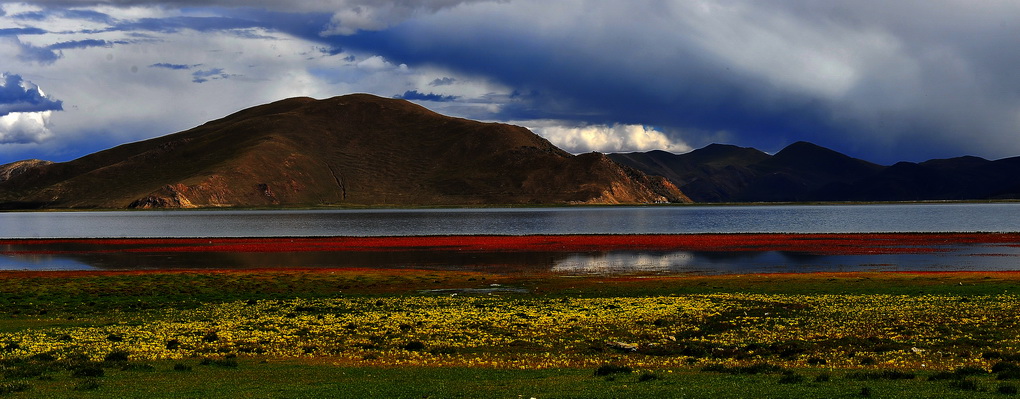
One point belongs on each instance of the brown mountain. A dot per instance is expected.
(350, 150)
(807, 172)
(14, 169)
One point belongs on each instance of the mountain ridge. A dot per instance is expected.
(364, 150)
(807, 172)
(357, 149)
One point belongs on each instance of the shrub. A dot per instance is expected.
(1008, 375)
(970, 370)
(117, 356)
(88, 371)
(43, 357)
(791, 378)
(944, 375)
(414, 346)
(1006, 371)
(137, 367)
(88, 384)
(12, 387)
(182, 367)
(760, 368)
(866, 392)
(26, 371)
(1007, 389)
(881, 375)
(965, 385)
(228, 362)
(824, 377)
(816, 361)
(610, 369)
(646, 376)
(1005, 367)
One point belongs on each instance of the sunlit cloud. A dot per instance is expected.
(605, 138)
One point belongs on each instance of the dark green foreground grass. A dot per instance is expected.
(289, 379)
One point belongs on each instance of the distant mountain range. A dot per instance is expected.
(363, 150)
(350, 150)
(807, 172)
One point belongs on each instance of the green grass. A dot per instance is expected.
(30, 301)
(255, 378)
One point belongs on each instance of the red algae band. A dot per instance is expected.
(822, 244)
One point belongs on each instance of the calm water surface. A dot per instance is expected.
(999, 217)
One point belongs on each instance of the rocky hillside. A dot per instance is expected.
(349, 150)
(14, 169)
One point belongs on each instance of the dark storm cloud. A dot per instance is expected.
(165, 65)
(558, 82)
(21, 31)
(206, 75)
(175, 24)
(78, 44)
(443, 81)
(18, 95)
(50, 54)
(883, 81)
(87, 15)
(908, 80)
(31, 53)
(331, 50)
(416, 95)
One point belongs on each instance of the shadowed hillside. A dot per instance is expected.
(806, 172)
(350, 150)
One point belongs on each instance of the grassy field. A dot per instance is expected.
(425, 333)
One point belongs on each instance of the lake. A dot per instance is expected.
(994, 217)
(955, 217)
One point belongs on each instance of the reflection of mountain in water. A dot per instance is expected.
(82, 256)
(445, 260)
(624, 262)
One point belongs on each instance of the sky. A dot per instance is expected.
(908, 80)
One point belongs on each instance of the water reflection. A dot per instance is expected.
(79, 256)
(626, 262)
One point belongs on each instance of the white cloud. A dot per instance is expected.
(112, 95)
(377, 63)
(25, 127)
(605, 138)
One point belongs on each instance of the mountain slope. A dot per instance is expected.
(716, 173)
(354, 150)
(806, 172)
(13, 169)
(725, 173)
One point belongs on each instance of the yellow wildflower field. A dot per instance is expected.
(530, 331)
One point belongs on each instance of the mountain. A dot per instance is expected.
(807, 172)
(351, 150)
(14, 169)
(716, 173)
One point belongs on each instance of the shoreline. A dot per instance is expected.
(811, 243)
